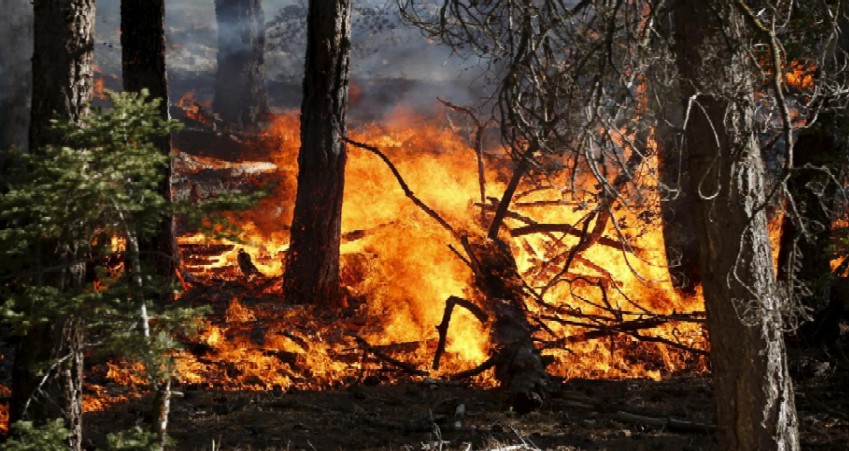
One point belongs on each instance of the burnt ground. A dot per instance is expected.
(415, 413)
(583, 414)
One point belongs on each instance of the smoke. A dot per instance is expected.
(15, 72)
(392, 64)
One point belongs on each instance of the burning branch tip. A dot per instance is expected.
(446, 320)
(407, 191)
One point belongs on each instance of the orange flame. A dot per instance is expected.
(397, 260)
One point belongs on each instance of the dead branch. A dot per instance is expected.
(569, 230)
(630, 328)
(407, 191)
(446, 320)
(487, 364)
(423, 424)
(478, 146)
(620, 414)
(521, 169)
(407, 367)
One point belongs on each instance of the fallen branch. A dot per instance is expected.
(620, 414)
(446, 320)
(423, 424)
(487, 364)
(407, 191)
(409, 368)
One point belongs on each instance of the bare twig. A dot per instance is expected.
(407, 191)
(446, 320)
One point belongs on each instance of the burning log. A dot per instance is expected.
(206, 182)
(518, 365)
(368, 348)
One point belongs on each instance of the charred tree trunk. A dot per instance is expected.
(62, 68)
(312, 263)
(752, 387)
(804, 256)
(241, 98)
(143, 64)
(518, 365)
(682, 249)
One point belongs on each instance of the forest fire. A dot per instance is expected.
(616, 316)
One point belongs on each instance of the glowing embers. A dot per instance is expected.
(4, 409)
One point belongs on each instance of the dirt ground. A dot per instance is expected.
(423, 415)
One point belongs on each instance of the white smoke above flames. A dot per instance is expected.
(385, 52)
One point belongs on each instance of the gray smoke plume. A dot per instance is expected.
(15, 72)
(392, 63)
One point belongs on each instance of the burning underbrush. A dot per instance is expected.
(613, 314)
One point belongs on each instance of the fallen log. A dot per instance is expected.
(518, 364)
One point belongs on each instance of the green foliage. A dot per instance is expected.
(83, 207)
(82, 193)
(69, 203)
(25, 436)
(135, 439)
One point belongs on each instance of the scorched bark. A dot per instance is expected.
(143, 64)
(312, 262)
(62, 68)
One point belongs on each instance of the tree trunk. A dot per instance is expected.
(312, 263)
(682, 249)
(143, 64)
(752, 387)
(62, 68)
(240, 94)
(804, 258)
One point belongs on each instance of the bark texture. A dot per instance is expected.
(519, 367)
(312, 263)
(62, 67)
(241, 98)
(143, 64)
(753, 390)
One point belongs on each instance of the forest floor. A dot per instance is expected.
(673, 414)
(416, 413)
